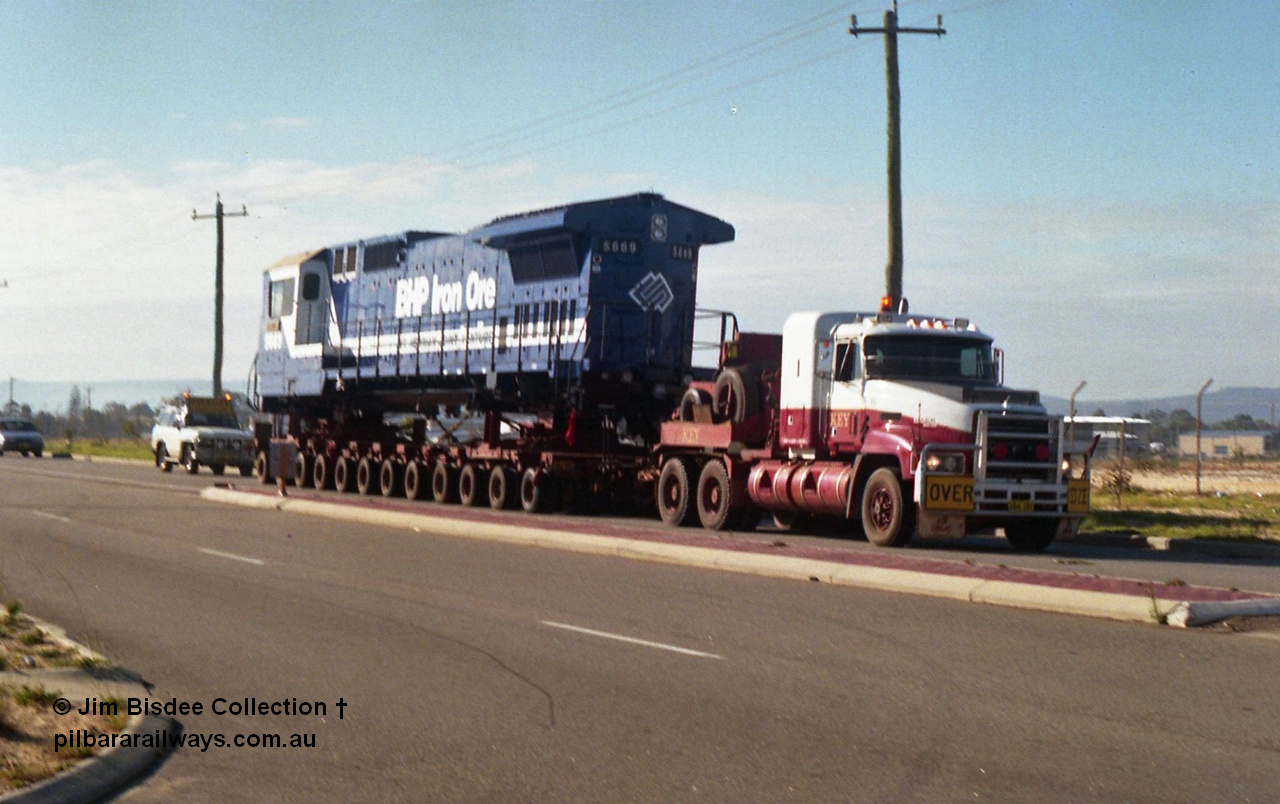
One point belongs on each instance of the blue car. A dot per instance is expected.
(20, 435)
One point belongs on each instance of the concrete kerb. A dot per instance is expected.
(100, 776)
(1106, 605)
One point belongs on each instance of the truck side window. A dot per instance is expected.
(846, 362)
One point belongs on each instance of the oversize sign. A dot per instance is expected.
(948, 493)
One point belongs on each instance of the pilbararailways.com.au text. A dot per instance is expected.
(78, 740)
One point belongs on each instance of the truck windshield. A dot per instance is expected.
(212, 420)
(938, 358)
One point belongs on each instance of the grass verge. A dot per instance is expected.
(1252, 517)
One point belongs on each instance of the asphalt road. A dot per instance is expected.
(475, 671)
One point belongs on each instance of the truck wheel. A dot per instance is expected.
(735, 398)
(189, 461)
(162, 459)
(322, 472)
(304, 470)
(537, 491)
(886, 518)
(444, 486)
(1031, 535)
(504, 483)
(416, 486)
(472, 488)
(262, 467)
(391, 478)
(675, 493)
(715, 497)
(344, 474)
(366, 477)
(217, 468)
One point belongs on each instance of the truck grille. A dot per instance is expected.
(1019, 447)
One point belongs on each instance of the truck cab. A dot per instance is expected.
(200, 431)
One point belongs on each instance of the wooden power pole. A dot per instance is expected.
(218, 215)
(893, 270)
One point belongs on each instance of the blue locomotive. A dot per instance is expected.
(515, 310)
(560, 312)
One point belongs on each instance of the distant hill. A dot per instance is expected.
(52, 396)
(1218, 405)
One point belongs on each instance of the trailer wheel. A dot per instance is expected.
(262, 467)
(886, 518)
(675, 492)
(1031, 535)
(189, 461)
(537, 491)
(304, 470)
(735, 397)
(391, 478)
(366, 476)
(444, 486)
(504, 483)
(473, 488)
(322, 472)
(162, 459)
(715, 496)
(344, 475)
(415, 485)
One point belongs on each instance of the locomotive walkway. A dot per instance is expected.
(894, 571)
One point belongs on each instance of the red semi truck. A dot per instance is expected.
(896, 423)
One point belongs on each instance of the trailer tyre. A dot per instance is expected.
(537, 491)
(886, 517)
(391, 478)
(504, 485)
(1031, 535)
(322, 472)
(416, 486)
(675, 492)
(304, 470)
(366, 476)
(262, 467)
(444, 485)
(344, 475)
(715, 497)
(473, 486)
(735, 398)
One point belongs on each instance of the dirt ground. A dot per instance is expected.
(1227, 477)
(28, 723)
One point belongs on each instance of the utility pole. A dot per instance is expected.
(218, 215)
(1199, 396)
(893, 271)
(1071, 412)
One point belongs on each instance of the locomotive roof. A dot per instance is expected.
(588, 216)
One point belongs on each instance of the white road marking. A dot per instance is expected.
(51, 516)
(232, 556)
(646, 643)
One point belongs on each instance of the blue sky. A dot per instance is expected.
(1094, 183)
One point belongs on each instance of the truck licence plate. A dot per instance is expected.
(948, 493)
(1021, 506)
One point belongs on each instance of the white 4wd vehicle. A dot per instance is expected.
(201, 430)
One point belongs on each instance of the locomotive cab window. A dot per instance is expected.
(311, 287)
(280, 302)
